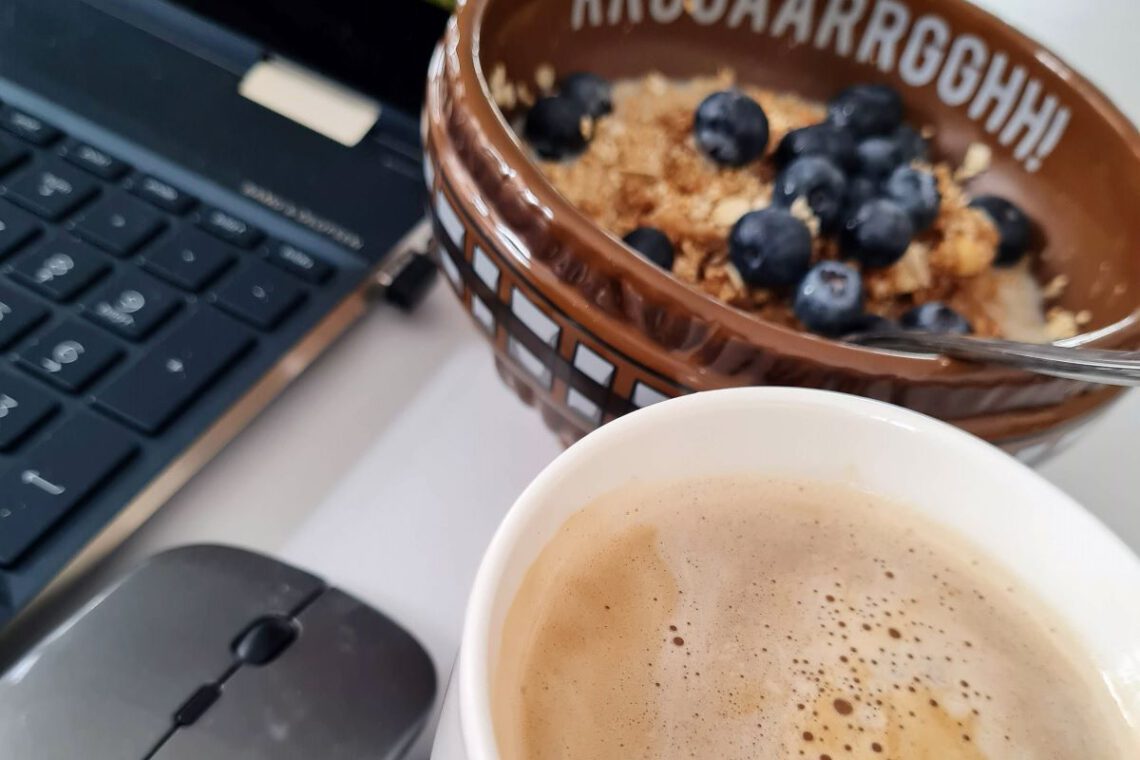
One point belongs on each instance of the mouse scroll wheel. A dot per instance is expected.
(264, 640)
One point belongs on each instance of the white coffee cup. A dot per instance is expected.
(1078, 568)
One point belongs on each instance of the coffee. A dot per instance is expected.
(744, 618)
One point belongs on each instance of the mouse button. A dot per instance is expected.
(208, 593)
(231, 581)
(353, 684)
(264, 640)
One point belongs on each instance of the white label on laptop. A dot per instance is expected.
(311, 100)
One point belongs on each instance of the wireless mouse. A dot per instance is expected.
(217, 652)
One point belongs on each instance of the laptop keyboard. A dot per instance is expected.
(123, 300)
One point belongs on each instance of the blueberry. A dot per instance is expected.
(917, 192)
(591, 91)
(1012, 224)
(912, 145)
(872, 323)
(866, 109)
(653, 244)
(935, 317)
(818, 181)
(731, 128)
(877, 157)
(817, 140)
(878, 234)
(829, 301)
(859, 190)
(554, 127)
(770, 247)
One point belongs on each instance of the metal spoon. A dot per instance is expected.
(1088, 364)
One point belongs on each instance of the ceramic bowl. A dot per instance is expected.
(587, 331)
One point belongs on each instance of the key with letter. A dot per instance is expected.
(70, 355)
(118, 223)
(162, 194)
(98, 162)
(51, 189)
(304, 265)
(54, 476)
(179, 367)
(16, 228)
(229, 228)
(132, 305)
(260, 295)
(18, 314)
(59, 268)
(30, 128)
(23, 408)
(190, 260)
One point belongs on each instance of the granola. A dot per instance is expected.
(642, 168)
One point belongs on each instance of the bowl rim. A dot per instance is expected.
(596, 242)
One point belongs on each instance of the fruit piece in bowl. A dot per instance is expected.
(586, 329)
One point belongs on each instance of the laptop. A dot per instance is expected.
(196, 198)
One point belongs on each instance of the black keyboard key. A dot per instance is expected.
(16, 228)
(304, 265)
(132, 305)
(51, 189)
(24, 125)
(176, 369)
(18, 314)
(260, 295)
(190, 260)
(98, 162)
(11, 153)
(162, 194)
(59, 268)
(54, 477)
(23, 408)
(70, 355)
(118, 223)
(229, 228)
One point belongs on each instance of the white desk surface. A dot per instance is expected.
(386, 467)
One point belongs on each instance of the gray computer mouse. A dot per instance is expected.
(215, 652)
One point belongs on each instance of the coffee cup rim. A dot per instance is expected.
(473, 670)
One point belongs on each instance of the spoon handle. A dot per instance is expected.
(1088, 364)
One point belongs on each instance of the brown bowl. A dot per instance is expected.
(587, 331)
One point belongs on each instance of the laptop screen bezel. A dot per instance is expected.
(379, 47)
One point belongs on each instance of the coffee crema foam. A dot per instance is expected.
(744, 618)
